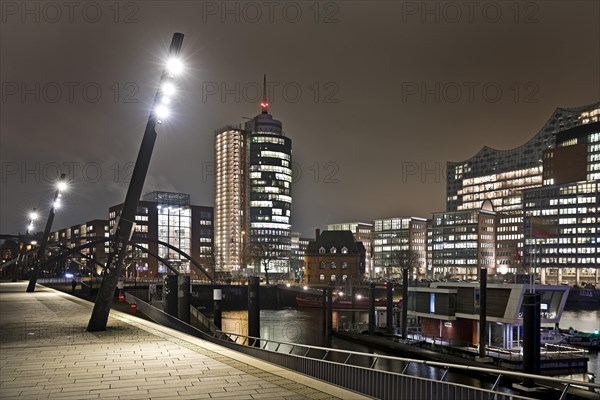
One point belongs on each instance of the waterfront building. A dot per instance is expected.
(170, 218)
(253, 195)
(450, 311)
(567, 208)
(91, 259)
(298, 245)
(231, 199)
(334, 257)
(501, 175)
(363, 232)
(506, 177)
(399, 242)
(464, 242)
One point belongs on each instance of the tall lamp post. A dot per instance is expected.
(125, 224)
(61, 186)
(33, 216)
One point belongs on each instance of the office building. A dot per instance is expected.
(231, 199)
(562, 218)
(253, 195)
(170, 218)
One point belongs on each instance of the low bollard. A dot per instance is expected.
(133, 308)
(121, 297)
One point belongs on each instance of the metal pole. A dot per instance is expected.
(41, 255)
(404, 303)
(254, 308)
(531, 333)
(183, 298)
(329, 312)
(372, 308)
(125, 226)
(389, 321)
(482, 311)
(170, 295)
(218, 313)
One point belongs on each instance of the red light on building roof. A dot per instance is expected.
(264, 105)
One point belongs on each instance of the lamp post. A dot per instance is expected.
(61, 186)
(125, 224)
(33, 216)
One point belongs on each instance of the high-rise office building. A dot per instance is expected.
(231, 199)
(253, 196)
(562, 218)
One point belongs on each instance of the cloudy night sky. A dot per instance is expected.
(376, 95)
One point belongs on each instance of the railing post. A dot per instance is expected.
(217, 297)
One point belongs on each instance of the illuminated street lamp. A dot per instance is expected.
(61, 186)
(125, 223)
(33, 215)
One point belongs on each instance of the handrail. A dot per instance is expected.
(493, 371)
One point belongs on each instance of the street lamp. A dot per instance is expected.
(61, 186)
(33, 215)
(125, 223)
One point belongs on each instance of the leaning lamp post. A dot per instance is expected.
(125, 224)
(61, 186)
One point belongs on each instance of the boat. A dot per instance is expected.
(584, 339)
(552, 336)
(341, 302)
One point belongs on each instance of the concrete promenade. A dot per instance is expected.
(46, 353)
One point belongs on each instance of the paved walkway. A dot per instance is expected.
(46, 353)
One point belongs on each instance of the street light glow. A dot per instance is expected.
(30, 227)
(57, 204)
(162, 111)
(168, 89)
(174, 66)
(62, 186)
(33, 215)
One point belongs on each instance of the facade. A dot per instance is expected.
(298, 246)
(169, 217)
(88, 260)
(270, 189)
(398, 242)
(501, 175)
(464, 242)
(231, 199)
(450, 311)
(253, 195)
(568, 206)
(334, 257)
(363, 232)
(563, 151)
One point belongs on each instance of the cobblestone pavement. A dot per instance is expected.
(46, 353)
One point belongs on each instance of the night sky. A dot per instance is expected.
(376, 95)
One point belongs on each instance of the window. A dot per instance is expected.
(333, 250)
(344, 250)
(322, 265)
(332, 278)
(322, 250)
(333, 266)
(344, 265)
(322, 278)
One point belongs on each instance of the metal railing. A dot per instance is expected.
(359, 372)
(318, 362)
